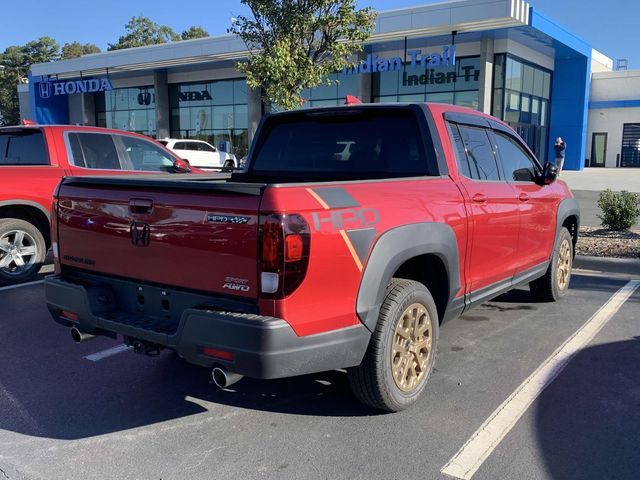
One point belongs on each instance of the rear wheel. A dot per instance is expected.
(401, 353)
(555, 282)
(22, 251)
(228, 166)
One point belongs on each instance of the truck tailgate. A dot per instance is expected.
(197, 233)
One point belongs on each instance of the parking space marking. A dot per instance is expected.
(464, 464)
(109, 352)
(26, 284)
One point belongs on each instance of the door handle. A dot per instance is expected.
(140, 205)
(523, 197)
(479, 198)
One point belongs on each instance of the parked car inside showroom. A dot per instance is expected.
(33, 159)
(201, 154)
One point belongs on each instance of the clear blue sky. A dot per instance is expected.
(610, 26)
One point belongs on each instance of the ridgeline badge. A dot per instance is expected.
(47, 89)
(373, 63)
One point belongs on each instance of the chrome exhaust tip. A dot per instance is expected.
(224, 378)
(80, 336)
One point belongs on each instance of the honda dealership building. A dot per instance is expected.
(502, 57)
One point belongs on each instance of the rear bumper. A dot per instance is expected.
(262, 347)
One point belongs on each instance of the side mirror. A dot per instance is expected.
(549, 174)
(181, 166)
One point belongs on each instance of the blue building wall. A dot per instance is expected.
(569, 90)
(569, 104)
(53, 110)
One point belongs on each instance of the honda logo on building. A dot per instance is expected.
(140, 234)
(92, 85)
(45, 89)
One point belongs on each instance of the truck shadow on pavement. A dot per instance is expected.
(120, 393)
(588, 419)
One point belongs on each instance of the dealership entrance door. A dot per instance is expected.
(535, 136)
(598, 149)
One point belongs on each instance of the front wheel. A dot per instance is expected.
(555, 282)
(402, 349)
(22, 251)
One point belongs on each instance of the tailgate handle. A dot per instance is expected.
(140, 205)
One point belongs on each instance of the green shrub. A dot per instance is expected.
(620, 209)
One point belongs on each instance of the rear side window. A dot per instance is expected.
(458, 149)
(380, 143)
(94, 150)
(180, 146)
(482, 161)
(516, 162)
(204, 147)
(23, 148)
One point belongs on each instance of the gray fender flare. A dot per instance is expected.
(566, 208)
(394, 248)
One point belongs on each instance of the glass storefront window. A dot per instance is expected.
(521, 97)
(457, 84)
(216, 112)
(131, 109)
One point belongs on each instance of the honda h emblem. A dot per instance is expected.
(44, 89)
(140, 234)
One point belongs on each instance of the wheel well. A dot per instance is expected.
(430, 271)
(571, 224)
(29, 214)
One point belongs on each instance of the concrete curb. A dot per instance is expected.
(628, 266)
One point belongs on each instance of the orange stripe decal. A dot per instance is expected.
(319, 199)
(356, 259)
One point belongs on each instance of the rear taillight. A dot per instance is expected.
(285, 242)
(54, 236)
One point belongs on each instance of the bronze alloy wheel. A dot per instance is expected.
(564, 264)
(412, 347)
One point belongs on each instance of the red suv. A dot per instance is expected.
(33, 159)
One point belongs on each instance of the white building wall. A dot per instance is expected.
(613, 86)
(611, 121)
(614, 100)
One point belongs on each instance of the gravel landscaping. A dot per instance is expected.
(599, 242)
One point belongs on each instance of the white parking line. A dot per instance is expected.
(109, 352)
(464, 464)
(11, 287)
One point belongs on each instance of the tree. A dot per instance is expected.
(194, 32)
(296, 44)
(15, 63)
(141, 31)
(76, 49)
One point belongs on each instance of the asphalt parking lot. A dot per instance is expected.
(95, 410)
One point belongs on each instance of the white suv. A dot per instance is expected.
(200, 154)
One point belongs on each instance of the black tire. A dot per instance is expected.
(228, 166)
(32, 241)
(554, 284)
(373, 381)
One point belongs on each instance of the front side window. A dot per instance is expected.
(516, 162)
(23, 148)
(482, 161)
(143, 155)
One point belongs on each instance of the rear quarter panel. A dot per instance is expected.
(326, 300)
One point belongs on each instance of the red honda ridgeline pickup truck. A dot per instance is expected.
(33, 159)
(353, 234)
